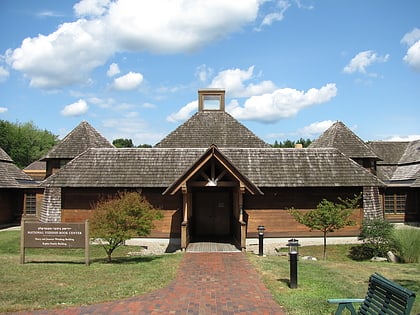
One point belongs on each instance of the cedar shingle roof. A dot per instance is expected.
(209, 127)
(400, 162)
(4, 156)
(81, 138)
(389, 152)
(10, 174)
(160, 167)
(346, 141)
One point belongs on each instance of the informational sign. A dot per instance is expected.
(54, 235)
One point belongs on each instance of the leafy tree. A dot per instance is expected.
(120, 218)
(328, 216)
(144, 146)
(24, 142)
(123, 143)
(291, 144)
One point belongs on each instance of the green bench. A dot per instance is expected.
(383, 297)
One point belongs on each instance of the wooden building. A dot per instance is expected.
(213, 178)
(14, 185)
(397, 164)
(399, 168)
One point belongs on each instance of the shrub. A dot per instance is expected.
(377, 236)
(407, 242)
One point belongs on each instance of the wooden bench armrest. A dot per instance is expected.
(345, 303)
(339, 301)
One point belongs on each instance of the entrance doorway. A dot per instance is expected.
(212, 215)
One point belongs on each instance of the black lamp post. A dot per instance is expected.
(293, 245)
(261, 230)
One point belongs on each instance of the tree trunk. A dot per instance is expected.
(325, 246)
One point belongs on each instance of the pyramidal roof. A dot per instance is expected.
(11, 175)
(4, 156)
(207, 127)
(81, 138)
(339, 136)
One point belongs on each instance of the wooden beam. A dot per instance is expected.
(219, 184)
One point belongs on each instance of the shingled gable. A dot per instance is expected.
(400, 163)
(11, 176)
(213, 152)
(209, 127)
(339, 136)
(81, 138)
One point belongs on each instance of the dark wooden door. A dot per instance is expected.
(212, 213)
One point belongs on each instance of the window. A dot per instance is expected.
(211, 102)
(30, 204)
(395, 203)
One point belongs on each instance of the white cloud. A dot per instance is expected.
(268, 107)
(412, 39)
(404, 138)
(233, 81)
(315, 128)
(75, 109)
(362, 60)
(203, 73)
(181, 26)
(91, 7)
(4, 74)
(277, 15)
(64, 57)
(184, 113)
(130, 81)
(113, 70)
(68, 55)
(282, 103)
(149, 105)
(3, 110)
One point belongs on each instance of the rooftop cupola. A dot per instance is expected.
(211, 99)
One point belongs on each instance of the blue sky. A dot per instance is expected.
(290, 68)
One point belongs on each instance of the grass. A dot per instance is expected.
(338, 277)
(408, 243)
(58, 278)
(54, 278)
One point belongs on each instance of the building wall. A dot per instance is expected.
(272, 210)
(6, 209)
(77, 205)
(11, 205)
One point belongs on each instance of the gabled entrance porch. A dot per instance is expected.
(212, 197)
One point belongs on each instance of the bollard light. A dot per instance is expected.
(293, 245)
(261, 230)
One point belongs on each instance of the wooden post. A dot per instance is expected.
(87, 243)
(22, 241)
(184, 224)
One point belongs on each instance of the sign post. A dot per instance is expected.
(54, 235)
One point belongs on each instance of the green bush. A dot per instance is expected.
(407, 243)
(377, 236)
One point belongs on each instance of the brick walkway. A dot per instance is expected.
(207, 283)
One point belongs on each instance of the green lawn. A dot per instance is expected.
(58, 278)
(54, 278)
(338, 277)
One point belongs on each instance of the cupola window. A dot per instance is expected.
(211, 99)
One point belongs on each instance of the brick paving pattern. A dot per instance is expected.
(207, 283)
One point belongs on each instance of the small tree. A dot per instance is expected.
(120, 218)
(328, 216)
